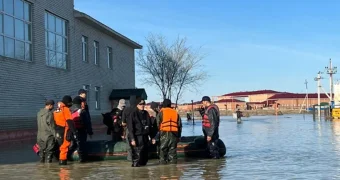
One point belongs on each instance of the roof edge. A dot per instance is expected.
(80, 15)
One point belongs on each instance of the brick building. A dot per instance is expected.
(261, 99)
(296, 100)
(48, 50)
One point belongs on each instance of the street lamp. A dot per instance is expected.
(331, 70)
(193, 112)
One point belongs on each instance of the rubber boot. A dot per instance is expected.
(82, 158)
(173, 161)
(162, 161)
(63, 162)
(239, 121)
(42, 157)
(135, 164)
(49, 159)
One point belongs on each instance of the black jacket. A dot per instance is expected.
(85, 118)
(126, 113)
(139, 123)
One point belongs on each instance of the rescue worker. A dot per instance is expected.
(188, 116)
(65, 128)
(82, 93)
(170, 129)
(210, 125)
(155, 108)
(238, 116)
(139, 127)
(153, 114)
(46, 132)
(125, 115)
(117, 127)
(83, 128)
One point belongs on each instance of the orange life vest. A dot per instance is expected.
(169, 120)
(206, 122)
(61, 114)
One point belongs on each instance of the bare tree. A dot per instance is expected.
(171, 68)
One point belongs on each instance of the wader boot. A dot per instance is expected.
(239, 121)
(42, 157)
(63, 162)
(49, 158)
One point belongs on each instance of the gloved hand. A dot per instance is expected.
(202, 111)
(75, 136)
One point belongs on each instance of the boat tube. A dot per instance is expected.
(189, 146)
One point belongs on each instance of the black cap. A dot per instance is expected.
(82, 91)
(49, 102)
(77, 100)
(67, 100)
(141, 102)
(166, 103)
(206, 98)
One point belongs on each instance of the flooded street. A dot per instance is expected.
(287, 147)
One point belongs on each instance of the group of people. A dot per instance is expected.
(139, 128)
(161, 126)
(65, 129)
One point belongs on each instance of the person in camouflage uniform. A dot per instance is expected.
(170, 129)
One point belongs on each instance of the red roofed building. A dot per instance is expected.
(295, 100)
(230, 104)
(257, 99)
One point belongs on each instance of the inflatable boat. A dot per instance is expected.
(189, 146)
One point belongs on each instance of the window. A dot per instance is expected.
(55, 41)
(97, 90)
(15, 29)
(109, 57)
(84, 48)
(96, 52)
(87, 89)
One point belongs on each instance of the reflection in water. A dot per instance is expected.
(212, 169)
(336, 135)
(64, 174)
(259, 148)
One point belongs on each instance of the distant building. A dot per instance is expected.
(296, 100)
(261, 99)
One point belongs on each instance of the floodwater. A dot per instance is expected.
(263, 147)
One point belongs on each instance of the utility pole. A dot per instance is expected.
(331, 70)
(305, 99)
(318, 78)
(306, 82)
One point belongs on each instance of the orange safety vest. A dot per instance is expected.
(205, 121)
(62, 114)
(169, 120)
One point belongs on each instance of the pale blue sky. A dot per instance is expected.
(250, 44)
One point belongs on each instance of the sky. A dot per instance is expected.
(248, 45)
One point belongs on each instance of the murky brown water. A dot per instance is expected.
(287, 147)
